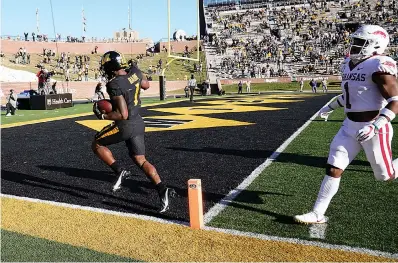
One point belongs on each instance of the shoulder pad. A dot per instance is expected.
(387, 65)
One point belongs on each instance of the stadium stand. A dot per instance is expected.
(257, 39)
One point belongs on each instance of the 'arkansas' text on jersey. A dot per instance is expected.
(354, 76)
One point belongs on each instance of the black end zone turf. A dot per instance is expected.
(53, 161)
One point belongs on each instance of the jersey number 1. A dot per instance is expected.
(347, 96)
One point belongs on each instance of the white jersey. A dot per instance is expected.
(359, 90)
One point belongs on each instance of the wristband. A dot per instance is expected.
(394, 98)
(380, 122)
(388, 113)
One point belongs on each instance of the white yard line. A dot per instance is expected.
(93, 209)
(220, 206)
(318, 231)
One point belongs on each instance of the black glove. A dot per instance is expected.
(97, 111)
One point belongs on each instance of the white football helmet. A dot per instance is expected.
(367, 41)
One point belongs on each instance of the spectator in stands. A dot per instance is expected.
(79, 75)
(11, 103)
(98, 94)
(33, 36)
(192, 85)
(26, 36)
(86, 73)
(67, 73)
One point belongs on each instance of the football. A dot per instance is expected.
(105, 106)
(145, 84)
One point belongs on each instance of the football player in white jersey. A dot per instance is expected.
(370, 100)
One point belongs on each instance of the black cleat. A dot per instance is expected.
(121, 176)
(164, 199)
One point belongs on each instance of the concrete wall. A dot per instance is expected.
(83, 90)
(11, 47)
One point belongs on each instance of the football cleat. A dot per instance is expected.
(121, 176)
(310, 218)
(165, 199)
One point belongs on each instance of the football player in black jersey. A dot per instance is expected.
(123, 86)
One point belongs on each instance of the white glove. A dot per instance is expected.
(366, 133)
(324, 112)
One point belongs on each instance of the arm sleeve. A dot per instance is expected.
(337, 103)
(113, 89)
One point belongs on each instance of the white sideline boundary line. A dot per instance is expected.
(221, 205)
(206, 228)
(96, 210)
(304, 242)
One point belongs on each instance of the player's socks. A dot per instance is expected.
(329, 188)
(116, 167)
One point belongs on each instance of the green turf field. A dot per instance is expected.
(360, 214)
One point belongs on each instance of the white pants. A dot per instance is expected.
(344, 148)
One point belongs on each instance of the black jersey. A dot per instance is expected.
(127, 86)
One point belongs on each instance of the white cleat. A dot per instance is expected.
(121, 176)
(310, 218)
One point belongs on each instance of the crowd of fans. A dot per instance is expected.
(22, 56)
(73, 39)
(291, 37)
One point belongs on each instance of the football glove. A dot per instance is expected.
(97, 111)
(324, 112)
(366, 133)
(337, 103)
(370, 130)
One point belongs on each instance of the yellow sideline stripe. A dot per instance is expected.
(153, 241)
(22, 123)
